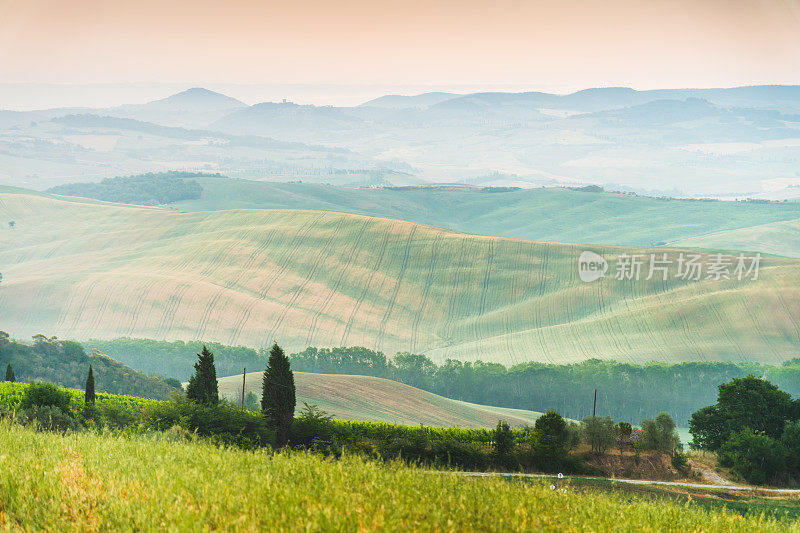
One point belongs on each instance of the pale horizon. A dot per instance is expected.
(511, 45)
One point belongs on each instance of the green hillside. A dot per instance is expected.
(780, 238)
(66, 363)
(382, 400)
(556, 215)
(313, 278)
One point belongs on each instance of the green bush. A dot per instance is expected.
(680, 462)
(756, 458)
(222, 423)
(45, 395)
(49, 418)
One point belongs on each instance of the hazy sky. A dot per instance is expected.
(557, 45)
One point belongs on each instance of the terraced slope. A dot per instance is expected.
(251, 277)
(382, 400)
(557, 215)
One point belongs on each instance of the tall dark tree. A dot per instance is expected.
(89, 394)
(10, 373)
(203, 386)
(278, 394)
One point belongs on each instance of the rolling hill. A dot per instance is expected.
(552, 214)
(315, 278)
(382, 400)
(780, 238)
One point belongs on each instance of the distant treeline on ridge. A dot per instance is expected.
(153, 188)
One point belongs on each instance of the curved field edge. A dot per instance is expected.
(89, 482)
(351, 397)
(254, 277)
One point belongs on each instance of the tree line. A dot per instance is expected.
(65, 363)
(153, 188)
(624, 391)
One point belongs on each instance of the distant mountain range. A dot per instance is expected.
(736, 142)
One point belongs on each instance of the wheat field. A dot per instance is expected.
(315, 278)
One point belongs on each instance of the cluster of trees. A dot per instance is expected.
(755, 429)
(65, 363)
(153, 188)
(278, 396)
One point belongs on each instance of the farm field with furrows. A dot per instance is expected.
(382, 400)
(314, 278)
(545, 214)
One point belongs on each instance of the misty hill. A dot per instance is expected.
(740, 142)
(319, 278)
(398, 101)
(192, 108)
(195, 99)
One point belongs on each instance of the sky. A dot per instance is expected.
(374, 46)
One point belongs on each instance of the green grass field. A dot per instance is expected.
(313, 278)
(91, 482)
(556, 215)
(779, 238)
(382, 400)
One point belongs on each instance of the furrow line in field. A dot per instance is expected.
(512, 302)
(168, 318)
(791, 315)
(425, 293)
(545, 262)
(321, 255)
(139, 303)
(724, 330)
(66, 309)
(334, 289)
(84, 301)
(283, 263)
(447, 328)
(212, 304)
(367, 285)
(756, 325)
(105, 302)
(396, 290)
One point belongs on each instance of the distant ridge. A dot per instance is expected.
(398, 101)
(195, 99)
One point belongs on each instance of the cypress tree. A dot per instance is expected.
(278, 394)
(203, 386)
(10, 373)
(89, 395)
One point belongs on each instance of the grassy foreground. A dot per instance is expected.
(90, 482)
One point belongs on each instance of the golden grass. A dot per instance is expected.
(86, 482)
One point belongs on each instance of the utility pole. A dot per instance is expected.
(594, 408)
(244, 377)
